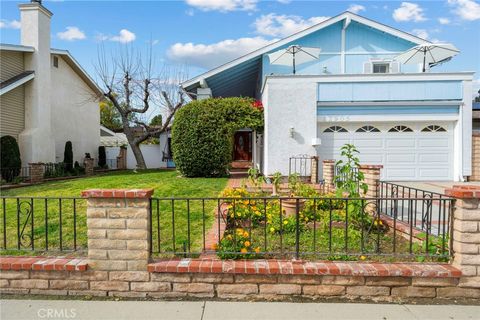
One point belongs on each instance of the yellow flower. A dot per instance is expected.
(245, 234)
(363, 257)
(285, 221)
(375, 222)
(257, 249)
(245, 202)
(380, 222)
(247, 243)
(229, 237)
(243, 250)
(215, 246)
(231, 215)
(272, 229)
(239, 231)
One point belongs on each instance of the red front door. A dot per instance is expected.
(242, 148)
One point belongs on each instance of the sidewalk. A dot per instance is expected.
(206, 310)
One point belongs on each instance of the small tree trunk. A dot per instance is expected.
(138, 156)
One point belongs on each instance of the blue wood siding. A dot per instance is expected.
(362, 43)
(390, 91)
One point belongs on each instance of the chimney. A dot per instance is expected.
(36, 139)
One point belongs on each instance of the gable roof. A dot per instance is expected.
(198, 80)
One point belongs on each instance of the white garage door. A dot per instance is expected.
(408, 151)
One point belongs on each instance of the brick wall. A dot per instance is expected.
(475, 157)
(118, 264)
(36, 172)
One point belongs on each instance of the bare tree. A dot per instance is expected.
(128, 84)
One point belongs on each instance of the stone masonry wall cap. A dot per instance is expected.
(117, 193)
(464, 192)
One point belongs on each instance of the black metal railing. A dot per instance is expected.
(15, 175)
(43, 224)
(307, 228)
(420, 209)
(301, 165)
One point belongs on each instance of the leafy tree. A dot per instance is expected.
(109, 116)
(11, 162)
(156, 121)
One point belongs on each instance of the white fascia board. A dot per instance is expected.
(79, 69)
(17, 83)
(387, 118)
(15, 47)
(361, 77)
(298, 35)
(390, 103)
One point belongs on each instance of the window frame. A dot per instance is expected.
(379, 64)
(335, 129)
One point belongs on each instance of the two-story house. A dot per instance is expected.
(46, 97)
(417, 124)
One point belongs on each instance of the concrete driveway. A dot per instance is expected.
(433, 186)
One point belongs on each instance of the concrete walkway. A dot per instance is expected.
(201, 310)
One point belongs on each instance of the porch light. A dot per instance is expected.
(291, 131)
(316, 142)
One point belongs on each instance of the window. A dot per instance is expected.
(400, 129)
(55, 61)
(434, 128)
(367, 129)
(335, 129)
(381, 67)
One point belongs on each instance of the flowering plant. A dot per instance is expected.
(237, 244)
(257, 104)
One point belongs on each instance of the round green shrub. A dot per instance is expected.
(10, 161)
(202, 133)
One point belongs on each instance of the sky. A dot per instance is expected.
(202, 34)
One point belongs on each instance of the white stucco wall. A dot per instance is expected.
(288, 103)
(75, 113)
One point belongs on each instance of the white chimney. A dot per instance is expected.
(36, 140)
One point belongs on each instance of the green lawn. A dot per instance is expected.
(48, 215)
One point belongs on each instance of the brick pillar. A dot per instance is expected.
(466, 233)
(118, 223)
(89, 163)
(36, 172)
(475, 157)
(372, 178)
(314, 171)
(329, 175)
(122, 158)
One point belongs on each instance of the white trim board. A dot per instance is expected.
(17, 83)
(390, 117)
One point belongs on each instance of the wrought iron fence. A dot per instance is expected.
(420, 209)
(307, 228)
(301, 165)
(21, 174)
(41, 224)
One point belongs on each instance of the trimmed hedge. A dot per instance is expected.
(202, 133)
(10, 160)
(102, 157)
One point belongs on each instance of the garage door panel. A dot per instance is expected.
(433, 143)
(400, 143)
(436, 157)
(405, 156)
(399, 158)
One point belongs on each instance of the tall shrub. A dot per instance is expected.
(102, 157)
(10, 162)
(68, 156)
(202, 133)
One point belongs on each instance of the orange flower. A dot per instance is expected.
(243, 250)
(247, 243)
(257, 249)
(363, 257)
(215, 246)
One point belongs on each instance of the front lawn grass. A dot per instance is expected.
(59, 223)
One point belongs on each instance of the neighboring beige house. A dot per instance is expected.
(46, 98)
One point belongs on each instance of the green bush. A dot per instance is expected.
(202, 133)
(102, 157)
(68, 156)
(11, 163)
